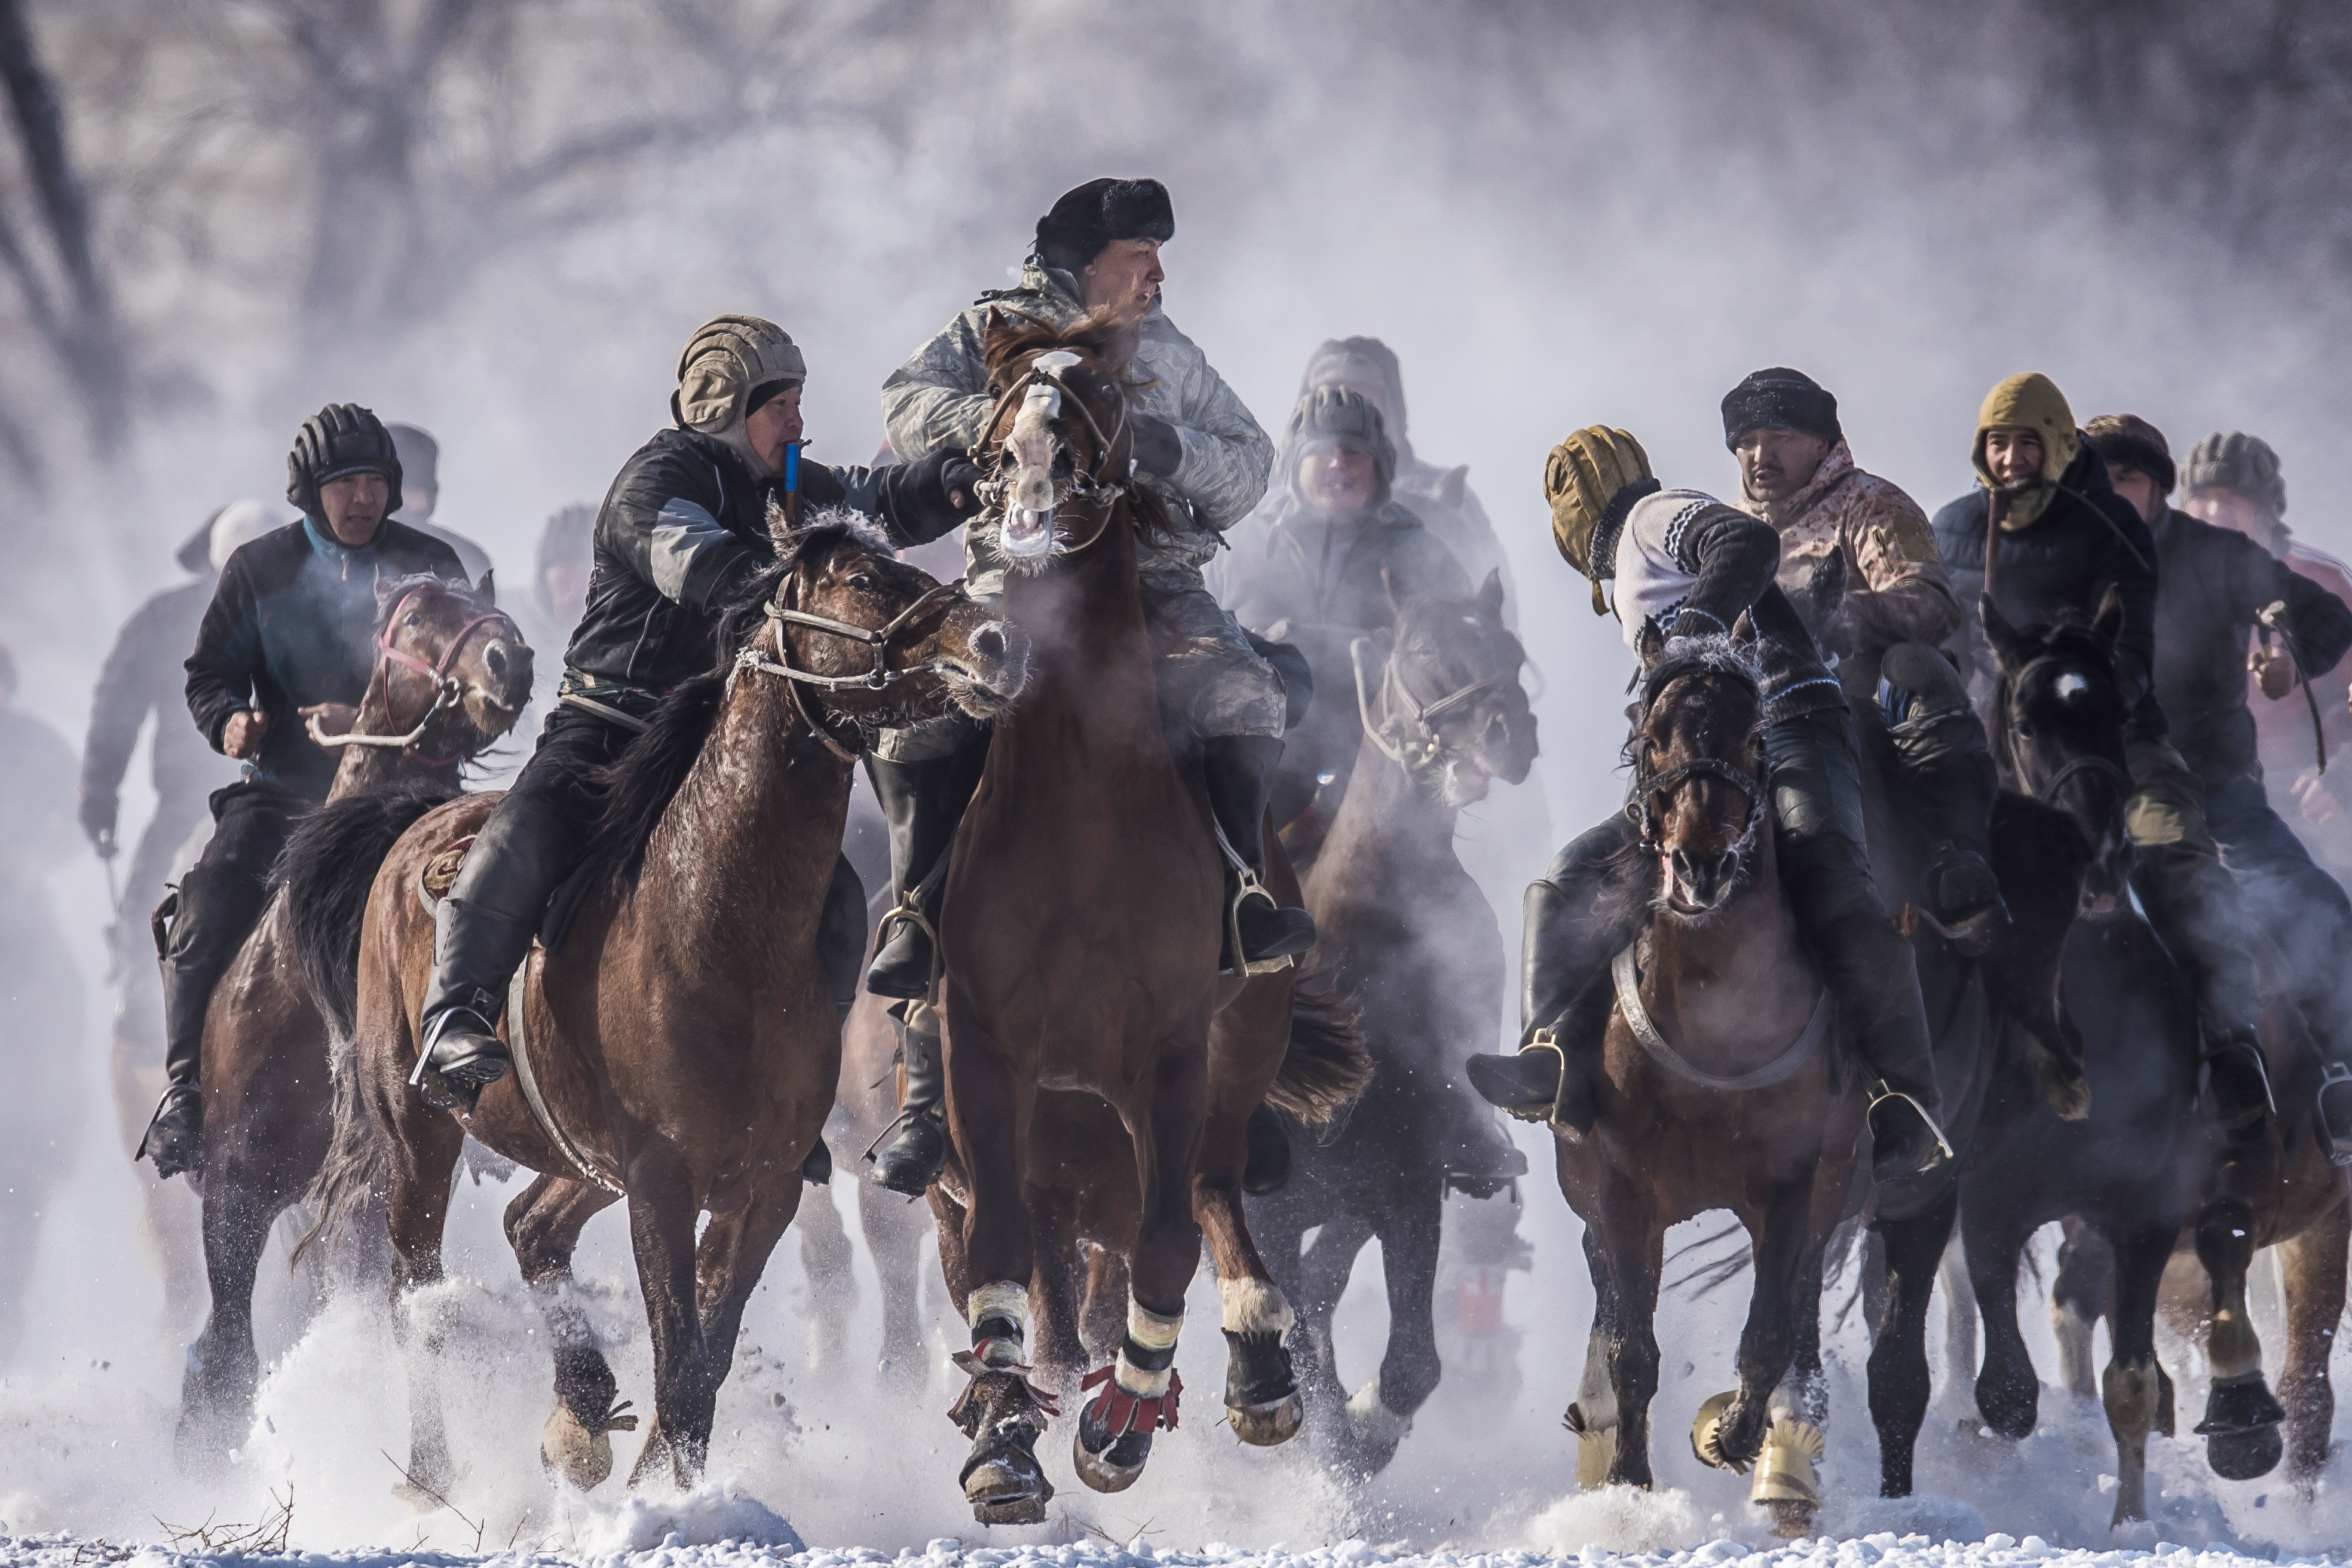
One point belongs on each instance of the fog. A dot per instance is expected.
(1556, 215)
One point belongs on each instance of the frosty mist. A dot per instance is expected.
(500, 220)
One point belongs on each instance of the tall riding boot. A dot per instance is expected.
(1578, 917)
(176, 1138)
(1240, 776)
(1947, 780)
(1867, 968)
(475, 952)
(911, 1161)
(922, 806)
(2196, 906)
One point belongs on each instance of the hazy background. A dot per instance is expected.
(500, 218)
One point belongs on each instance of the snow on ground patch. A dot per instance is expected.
(1619, 1519)
(674, 1549)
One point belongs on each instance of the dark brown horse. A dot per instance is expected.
(679, 1048)
(451, 676)
(1080, 934)
(1719, 1090)
(1444, 714)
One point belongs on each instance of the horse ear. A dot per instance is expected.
(487, 590)
(1387, 585)
(1490, 593)
(383, 582)
(2107, 625)
(1650, 642)
(780, 523)
(2010, 648)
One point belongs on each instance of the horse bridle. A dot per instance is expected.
(1414, 745)
(447, 689)
(2048, 791)
(783, 611)
(1650, 784)
(1087, 487)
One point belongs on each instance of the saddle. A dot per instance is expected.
(440, 874)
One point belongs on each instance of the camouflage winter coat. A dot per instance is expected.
(938, 399)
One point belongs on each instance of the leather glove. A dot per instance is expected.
(1158, 449)
(959, 478)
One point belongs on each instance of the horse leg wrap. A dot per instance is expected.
(998, 1314)
(1140, 1389)
(1253, 1306)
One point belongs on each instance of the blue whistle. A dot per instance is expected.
(791, 466)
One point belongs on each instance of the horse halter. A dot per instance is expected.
(447, 689)
(880, 678)
(2047, 791)
(1095, 486)
(1413, 744)
(1651, 785)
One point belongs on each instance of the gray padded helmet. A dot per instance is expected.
(727, 358)
(1337, 416)
(2240, 462)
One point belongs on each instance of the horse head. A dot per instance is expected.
(1697, 753)
(2058, 723)
(866, 640)
(1450, 709)
(1061, 440)
(451, 666)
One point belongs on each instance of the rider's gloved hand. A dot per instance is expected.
(1158, 449)
(98, 813)
(959, 478)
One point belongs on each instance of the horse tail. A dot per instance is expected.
(327, 869)
(351, 1184)
(1326, 1066)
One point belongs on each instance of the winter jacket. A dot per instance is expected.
(291, 624)
(2215, 583)
(1313, 573)
(1895, 587)
(685, 526)
(939, 400)
(145, 672)
(1682, 549)
(2084, 538)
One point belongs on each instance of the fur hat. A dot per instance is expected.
(1336, 416)
(336, 442)
(1779, 399)
(727, 360)
(1591, 482)
(1092, 215)
(2128, 441)
(2239, 462)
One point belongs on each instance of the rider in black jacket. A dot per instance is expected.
(681, 533)
(290, 629)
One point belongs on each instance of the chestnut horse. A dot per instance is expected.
(1724, 1093)
(452, 675)
(1080, 934)
(680, 1039)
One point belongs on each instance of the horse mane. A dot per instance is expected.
(1096, 337)
(639, 784)
(326, 872)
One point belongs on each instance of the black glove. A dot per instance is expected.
(1158, 449)
(959, 478)
(1825, 604)
(98, 821)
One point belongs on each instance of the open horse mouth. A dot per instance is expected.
(1694, 885)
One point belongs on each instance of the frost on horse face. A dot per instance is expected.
(1029, 516)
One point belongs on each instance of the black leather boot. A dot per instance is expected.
(910, 1161)
(1867, 967)
(474, 954)
(1483, 1160)
(176, 1138)
(922, 817)
(1240, 776)
(2240, 1083)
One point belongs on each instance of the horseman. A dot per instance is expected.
(2045, 536)
(289, 634)
(1695, 566)
(2220, 593)
(682, 534)
(1858, 560)
(1195, 445)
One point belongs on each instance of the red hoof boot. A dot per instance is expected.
(1003, 1414)
(1115, 1429)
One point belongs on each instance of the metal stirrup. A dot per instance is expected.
(1886, 1094)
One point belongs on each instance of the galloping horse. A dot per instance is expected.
(678, 1047)
(1716, 1091)
(2126, 1169)
(1415, 939)
(452, 675)
(1080, 935)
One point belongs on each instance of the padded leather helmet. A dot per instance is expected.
(727, 360)
(1591, 482)
(341, 439)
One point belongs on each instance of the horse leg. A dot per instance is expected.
(424, 1147)
(543, 1226)
(1899, 1385)
(1768, 1340)
(1592, 1415)
(2313, 1262)
(1380, 1413)
(1054, 1292)
(1324, 1266)
(662, 1213)
(223, 1368)
(2008, 1391)
(1102, 1322)
(895, 1237)
(1959, 1328)
(2242, 1419)
(1261, 1396)
(1139, 1390)
(831, 1267)
(736, 1244)
(2129, 1388)
(2084, 1292)
(1634, 1247)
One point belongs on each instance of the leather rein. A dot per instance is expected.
(447, 689)
(784, 611)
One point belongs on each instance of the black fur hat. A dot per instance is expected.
(1098, 212)
(1779, 399)
(2128, 441)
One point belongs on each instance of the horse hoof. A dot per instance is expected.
(1008, 1491)
(418, 1498)
(1791, 1520)
(1786, 1482)
(1120, 1463)
(1706, 1435)
(2241, 1405)
(1264, 1425)
(2244, 1456)
(569, 1449)
(1596, 1448)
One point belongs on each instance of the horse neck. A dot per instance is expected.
(744, 851)
(1388, 819)
(1090, 662)
(365, 768)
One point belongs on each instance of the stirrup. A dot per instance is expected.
(2332, 1074)
(1886, 1094)
(1249, 888)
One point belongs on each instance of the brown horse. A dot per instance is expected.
(452, 675)
(1716, 1091)
(1080, 934)
(679, 1047)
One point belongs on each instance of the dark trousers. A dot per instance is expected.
(2300, 907)
(221, 899)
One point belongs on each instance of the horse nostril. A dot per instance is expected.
(495, 658)
(988, 643)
